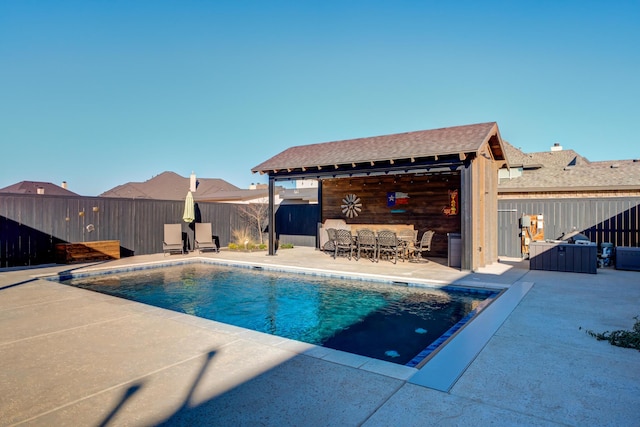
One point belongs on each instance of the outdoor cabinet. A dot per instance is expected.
(567, 257)
(627, 258)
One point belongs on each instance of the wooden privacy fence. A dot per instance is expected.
(611, 220)
(32, 225)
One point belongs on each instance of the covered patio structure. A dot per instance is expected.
(444, 180)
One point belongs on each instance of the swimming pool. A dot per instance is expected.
(397, 323)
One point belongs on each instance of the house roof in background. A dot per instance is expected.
(170, 186)
(37, 187)
(550, 159)
(388, 148)
(242, 195)
(560, 169)
(308, 195)
(554, 170)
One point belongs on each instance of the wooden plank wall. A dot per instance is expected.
(491, 222)
(467, 207)
(428, 197)
(479, 183)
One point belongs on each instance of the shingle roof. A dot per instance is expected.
(550, 159)
(567, 170)
(419, 144)
(37, 187)
(516, 156)
(169, 186)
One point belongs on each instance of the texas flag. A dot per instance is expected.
(397, 198)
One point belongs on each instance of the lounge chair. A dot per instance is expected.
(172, 241)
(204, 237)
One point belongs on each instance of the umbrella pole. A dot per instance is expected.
(189, 217)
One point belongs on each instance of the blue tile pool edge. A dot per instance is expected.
(423, 357)
(445, 366)
(91, 272)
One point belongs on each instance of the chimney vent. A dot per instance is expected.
(193, 182)
(556, 147)
(64, 184)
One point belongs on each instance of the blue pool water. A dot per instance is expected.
(378, 320)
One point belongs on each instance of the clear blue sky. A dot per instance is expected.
(99, 93)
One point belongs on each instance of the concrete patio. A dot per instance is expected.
(74, 357)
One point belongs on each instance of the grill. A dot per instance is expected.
(574, 237)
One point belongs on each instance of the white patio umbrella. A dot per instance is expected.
(189, 214)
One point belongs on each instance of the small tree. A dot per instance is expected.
(256, 214)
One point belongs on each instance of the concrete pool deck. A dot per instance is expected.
(74, 357)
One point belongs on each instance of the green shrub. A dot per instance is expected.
(621, 338)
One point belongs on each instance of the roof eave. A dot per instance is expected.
(399, 163)
(495, 143)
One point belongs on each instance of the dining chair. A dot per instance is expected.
(343, 242)
(388, 244)
(407, 239)
(424, 245)
(366, 243)
(329, 245)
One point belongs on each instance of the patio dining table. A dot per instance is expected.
(405, 238)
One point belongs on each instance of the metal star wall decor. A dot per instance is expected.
(351, 205)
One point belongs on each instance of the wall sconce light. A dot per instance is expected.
(96, 209)
(81, 213)
(67, 219)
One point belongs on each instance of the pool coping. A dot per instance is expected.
(432, 372)
(390, 279)
(445, 366)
